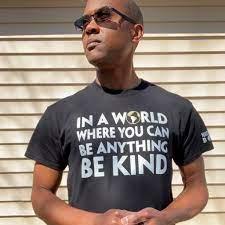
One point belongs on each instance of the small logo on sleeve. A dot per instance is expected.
(206, 137)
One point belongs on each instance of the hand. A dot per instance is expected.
(147, 216)
(155, 217)
(156, 221)
(110, 217)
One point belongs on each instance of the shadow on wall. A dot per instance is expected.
(59, 20)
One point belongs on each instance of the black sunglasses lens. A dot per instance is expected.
(82, 22)
(103, 14)
(100, 15)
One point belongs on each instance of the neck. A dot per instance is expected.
(118, 78)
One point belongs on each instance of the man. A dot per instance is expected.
(118, 137)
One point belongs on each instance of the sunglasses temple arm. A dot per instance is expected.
(124, 16)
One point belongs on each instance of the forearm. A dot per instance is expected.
(54, 211)
(188, 203)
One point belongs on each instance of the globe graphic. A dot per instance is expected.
(133, 117)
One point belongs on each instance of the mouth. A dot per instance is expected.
(91, 44)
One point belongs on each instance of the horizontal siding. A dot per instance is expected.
(16, 152)
(23, 194)
(183, 51)
(29, 107)
(153, 27)
(22, 77)
(22, 166)
(79, 61)
(25, 208)
(12, 180)
(30, 121)
(56, 92)
(151, 15)
(73, 44)
(22, 136)
(34, 89)
(79, 3)
(160, 17)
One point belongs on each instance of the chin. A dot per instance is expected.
(96, 60)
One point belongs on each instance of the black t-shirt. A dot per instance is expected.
(119, 145)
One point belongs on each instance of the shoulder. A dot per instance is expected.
(70, 102)
(171, 100)
(62, 111)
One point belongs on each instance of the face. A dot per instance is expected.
(107, 43)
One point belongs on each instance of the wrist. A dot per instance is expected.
(168, 217)
(83, 217)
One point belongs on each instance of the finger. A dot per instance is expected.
(152, 222)
(124, 220)
(121, 213)
(149, 212)
(116, 221)
(133, 218)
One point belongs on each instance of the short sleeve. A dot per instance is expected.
(193, 138)
(44, 146)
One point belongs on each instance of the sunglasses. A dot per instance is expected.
(101, 15)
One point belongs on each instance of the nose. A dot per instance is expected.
(92, 27)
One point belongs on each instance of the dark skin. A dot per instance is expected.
(118, 40)
(114, 54)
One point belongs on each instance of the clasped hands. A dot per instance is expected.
(147, 216)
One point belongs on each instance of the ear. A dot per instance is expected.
(137, 33)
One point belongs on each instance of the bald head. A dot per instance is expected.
(130, 7)
(134, 11)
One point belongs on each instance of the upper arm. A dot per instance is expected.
(195, 186)
(194, 172)
(47, 178)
